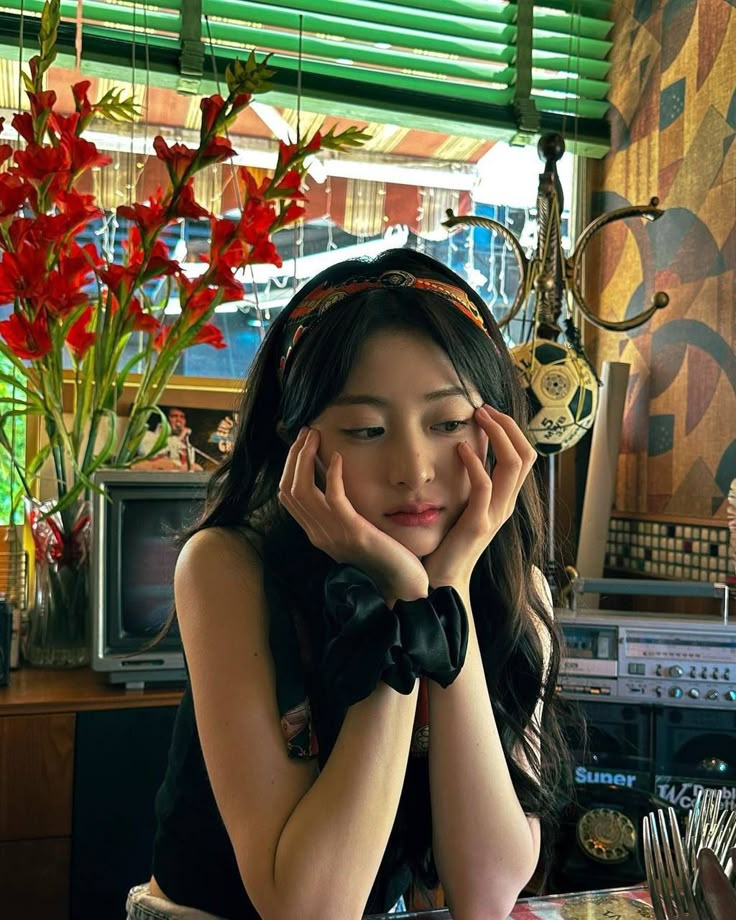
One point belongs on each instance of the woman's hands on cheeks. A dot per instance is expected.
(335, 527)
(491, 503)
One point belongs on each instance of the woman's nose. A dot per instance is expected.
(411, 465)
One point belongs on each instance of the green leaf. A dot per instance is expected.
(163, 434)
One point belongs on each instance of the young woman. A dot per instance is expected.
(370, 645)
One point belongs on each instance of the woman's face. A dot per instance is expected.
(397, 424)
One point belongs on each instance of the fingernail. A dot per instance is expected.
(302, 431)
(489, 408)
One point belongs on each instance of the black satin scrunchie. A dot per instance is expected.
(367, 641)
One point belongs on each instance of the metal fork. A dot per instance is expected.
(708, 827)
(668, 873)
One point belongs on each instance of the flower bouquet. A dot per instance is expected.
(73, 310)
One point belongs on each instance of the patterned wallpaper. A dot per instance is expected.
(673, 129)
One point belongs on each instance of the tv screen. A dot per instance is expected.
(136, 517)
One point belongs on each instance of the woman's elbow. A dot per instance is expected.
(497, 907)
(493, 901)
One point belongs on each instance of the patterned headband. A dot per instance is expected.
(324, 298)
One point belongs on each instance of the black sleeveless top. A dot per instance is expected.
(193, 859)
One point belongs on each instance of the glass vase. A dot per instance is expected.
(58, 633)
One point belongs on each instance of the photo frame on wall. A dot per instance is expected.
(199, 438)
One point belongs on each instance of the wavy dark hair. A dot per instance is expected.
(513, 623)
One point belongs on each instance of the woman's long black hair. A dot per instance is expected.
(518, 639)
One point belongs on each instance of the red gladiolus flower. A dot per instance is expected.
(217, 150)
(41, 103)
(223, 233)
(79, 339)
(28, 339)
(36, 163)
(292, 213)
(241, 100)
(23, 124)
(150, 218)
(59, 297)
(22, 273)
(76, 210)
(13, 194)
(81, 103)
(158, 266)
(211, 107)
(289, 187)
(257, 220)
(209, 334)
(83, 154)
(162, 338)
(64, 124)
(265, 253)
(251, 189)
(195, 301)
(118, 278)
(186, 206)
(76, 263)
(141, 320)
(286, 152)
(177, 158)
(22, 230)
(221, 276)
(6, 152)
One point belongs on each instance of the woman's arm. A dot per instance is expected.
(308, 844)
(485, 847)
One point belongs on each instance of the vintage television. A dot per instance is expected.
(135, 518)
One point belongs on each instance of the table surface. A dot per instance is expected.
(611, 904)
(35, 690)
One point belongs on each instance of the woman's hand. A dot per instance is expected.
(335, 527)
(491, 503)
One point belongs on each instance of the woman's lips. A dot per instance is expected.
(415, 518)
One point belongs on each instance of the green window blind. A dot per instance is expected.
(482, 68)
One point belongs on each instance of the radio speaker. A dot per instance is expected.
(694, 748)
(599, 844)
(617, 734)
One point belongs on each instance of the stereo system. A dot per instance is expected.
(677, 659)
(658, 696)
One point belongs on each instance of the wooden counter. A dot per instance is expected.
(34, 690)
(80, 763)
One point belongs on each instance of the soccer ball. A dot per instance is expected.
(562, 391)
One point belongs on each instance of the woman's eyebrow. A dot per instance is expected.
(366, 399)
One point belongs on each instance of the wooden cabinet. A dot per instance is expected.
(80, 763)
(36, 766)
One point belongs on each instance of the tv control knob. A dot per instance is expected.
(711, 695)
(676, 692)
(693, 673)
(658, 670)
(693, 692)
(704, 673)
(676, 671)
(730, 695)
(727, 674)
(658, 691)
(715, 673)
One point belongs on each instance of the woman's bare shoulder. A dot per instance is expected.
(218, 567)
(218, 547)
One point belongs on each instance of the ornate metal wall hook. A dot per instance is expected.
(554, 280)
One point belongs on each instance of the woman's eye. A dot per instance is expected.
(451, 426)
(364, 434)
